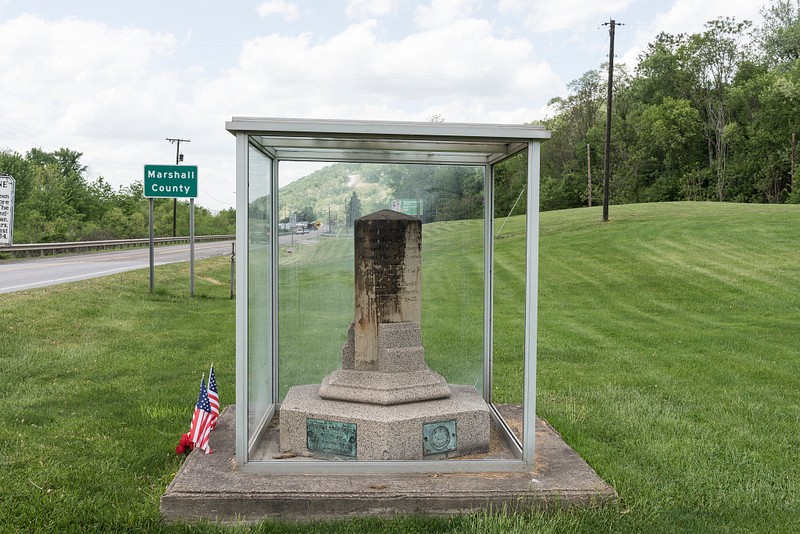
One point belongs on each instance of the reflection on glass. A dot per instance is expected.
(259, 311)
(508, 334)
(316, 263)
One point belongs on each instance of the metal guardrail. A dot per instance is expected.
(76, 246)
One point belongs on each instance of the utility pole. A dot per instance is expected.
(589, 172)
(178, 159)
(607, 174)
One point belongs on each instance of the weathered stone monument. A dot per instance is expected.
(385, 403)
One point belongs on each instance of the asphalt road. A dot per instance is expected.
(39, 272)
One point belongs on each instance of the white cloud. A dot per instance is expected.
(443, 12)
(288, 10)
(548, 15)
(367, 9)
(689, 16)
(81, 79)
(460, 70)
(511, 6)
(112, 93)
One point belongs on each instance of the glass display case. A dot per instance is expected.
(301, 185)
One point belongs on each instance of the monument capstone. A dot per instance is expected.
(385, 403)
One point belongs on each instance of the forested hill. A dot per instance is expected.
(331, 187)
(707, 116)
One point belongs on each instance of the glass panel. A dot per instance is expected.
(259, 354)
(452, 275)
(508, 326)
(315, 269)
(316, 262)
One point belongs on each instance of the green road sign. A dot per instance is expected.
(170, 181)
(409, 206)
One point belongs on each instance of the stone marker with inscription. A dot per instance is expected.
(385, 403)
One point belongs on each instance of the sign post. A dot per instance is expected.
(6, 209)
(152, 248)
(191, 247)
(172, 181)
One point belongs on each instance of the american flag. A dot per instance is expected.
(201, 420)
(213, 398)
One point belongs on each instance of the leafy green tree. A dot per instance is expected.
(663, 72)
(563, 157)
(510, 182)
(455, 193)
(669, 139)
(21, 169)
(779, 36)
(353, 209)
(766, 105)
(714, 57)
(580, 121)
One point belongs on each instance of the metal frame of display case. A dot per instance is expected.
(483, 145)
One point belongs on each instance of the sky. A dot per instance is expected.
(114, 80)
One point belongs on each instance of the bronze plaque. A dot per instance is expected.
(331, 437)
(439, 437)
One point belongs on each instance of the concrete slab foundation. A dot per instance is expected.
(210, 487)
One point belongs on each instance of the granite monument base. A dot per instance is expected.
(434, 429)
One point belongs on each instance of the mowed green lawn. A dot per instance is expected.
(669, 358)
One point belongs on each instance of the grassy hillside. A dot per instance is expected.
(668, 358)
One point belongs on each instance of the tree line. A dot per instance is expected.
(55, 202)
(706, 116)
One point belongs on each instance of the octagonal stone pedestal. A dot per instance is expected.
(434, 429)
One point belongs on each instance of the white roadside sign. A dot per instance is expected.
(6, 210)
